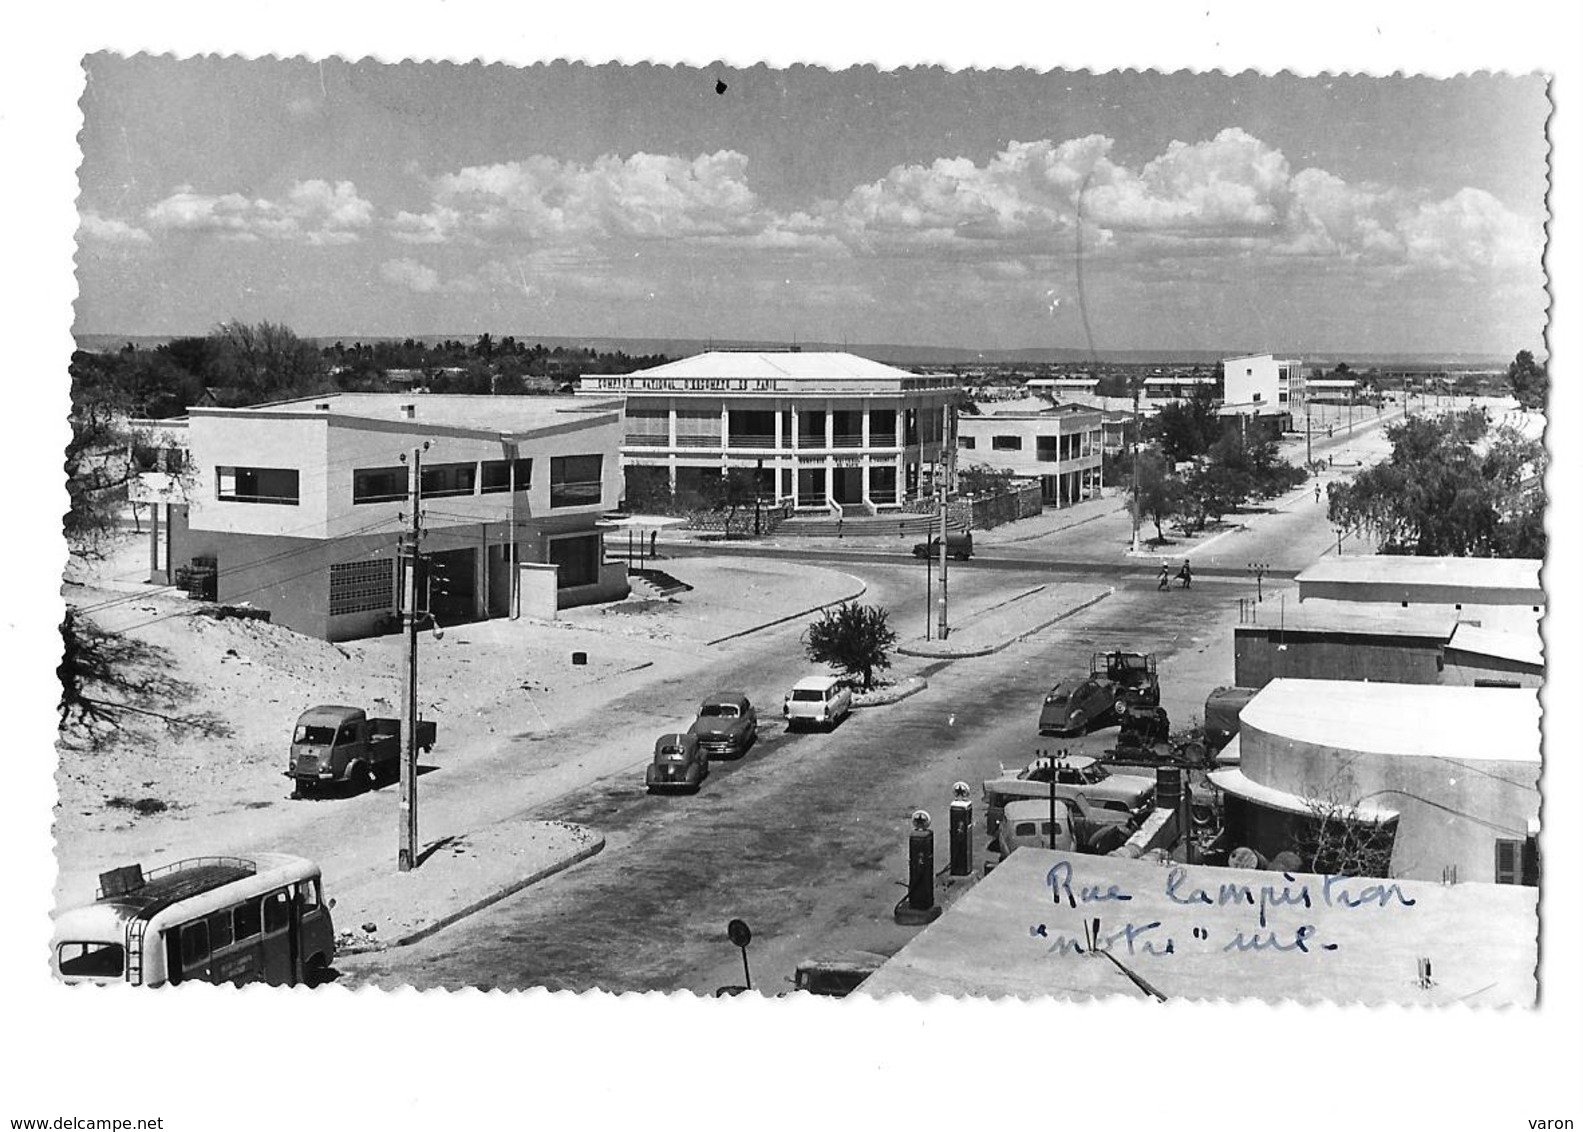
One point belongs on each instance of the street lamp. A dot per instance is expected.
(758, 490)
(1258, 570)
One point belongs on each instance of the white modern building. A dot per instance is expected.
(1261, 385)
(1061, 447)
(297, 507)
(825, 431)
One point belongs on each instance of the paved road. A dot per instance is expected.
(805, 836)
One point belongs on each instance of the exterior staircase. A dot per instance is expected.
(654, 584)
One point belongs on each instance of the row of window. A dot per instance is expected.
(1053, 448)
(755, 428)
(575, 481)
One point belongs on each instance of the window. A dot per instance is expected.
(752, 428)
(578, 559)
(256, 485)
(576, 481)
(195, 944)
(440, 480)
(220, 930)
(277, 911)
(247, 920)
(378, 485)
(1007, 443)
(362, 587)
(498, 475)
(1508, 861)
(648, 428)
(697, 428)
(882, 428)
(308, 896)
(966, 442)
(92, 960)
(1047, 448)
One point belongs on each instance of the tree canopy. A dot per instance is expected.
(854, 638)
(1452, 486)
(1530, 381)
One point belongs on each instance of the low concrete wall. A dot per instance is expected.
(1158, 831)
(536, 590)
(612, 586)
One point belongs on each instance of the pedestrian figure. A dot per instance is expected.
(1165, 577)
(1185, 574)
(654, 538)
(1316, 493)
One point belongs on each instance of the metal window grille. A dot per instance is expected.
(362, 587)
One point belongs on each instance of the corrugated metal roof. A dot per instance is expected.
(1412, 720)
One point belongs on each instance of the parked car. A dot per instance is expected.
(726, 724)
(337, 744)
(1097, 795)
(822, 701)
(958, 544)
(1076, 706)
(836, 976)
(679, 763)
(1028, 823)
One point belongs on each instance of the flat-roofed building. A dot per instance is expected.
(1445, 779)
(1495, 593)
(1338, 640)
(1181, 387)
(1062, 447)
(1492, 658)
(1195, 932)
(297, 506)
(1332, 390)
(822, 430)
(1063, 386)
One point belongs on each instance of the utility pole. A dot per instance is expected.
(407, 845)
(945, 511)
(1137, 388)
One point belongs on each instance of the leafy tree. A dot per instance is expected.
(1450, 487)
(1188, 428)
(1209, 490)
(1258, 461)
(854, 638)
(1156, 494)
(1530, 381)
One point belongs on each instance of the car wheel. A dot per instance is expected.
(360, 778)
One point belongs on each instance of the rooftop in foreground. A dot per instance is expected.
(778, 369)
(1423, 720)
(1006, 936)
(451, 410)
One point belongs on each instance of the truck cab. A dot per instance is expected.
(333, 743)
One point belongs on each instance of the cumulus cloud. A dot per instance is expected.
(313, 212)
(411, 274)
(109, 230)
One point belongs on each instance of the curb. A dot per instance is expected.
(853, 596)
(912, 689)
(500, 894)
(1008, 642)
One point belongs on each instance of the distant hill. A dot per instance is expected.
(895, 354)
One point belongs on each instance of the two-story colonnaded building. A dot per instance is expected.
(297, 507)
(822, 430)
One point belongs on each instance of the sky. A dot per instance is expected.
(975, 209)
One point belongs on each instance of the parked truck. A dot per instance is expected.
(1223, 715)
(338, 745)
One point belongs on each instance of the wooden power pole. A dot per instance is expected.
(407, 847)
(949, 463)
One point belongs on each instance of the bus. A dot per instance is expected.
(205, 919)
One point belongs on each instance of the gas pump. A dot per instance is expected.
(961, 830)
(918, 906)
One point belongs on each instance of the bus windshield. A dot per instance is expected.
(92, 960)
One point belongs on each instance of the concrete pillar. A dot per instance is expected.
(153, 542)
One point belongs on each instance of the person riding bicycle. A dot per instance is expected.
(1185, 574)
(1165, 577)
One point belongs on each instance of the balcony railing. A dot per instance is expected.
(646, 440)
(752, 440)
(848, 440)
(698, 441)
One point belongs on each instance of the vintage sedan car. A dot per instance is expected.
(1078, 705)
(726, 725)
(817, 701)
(680, 763)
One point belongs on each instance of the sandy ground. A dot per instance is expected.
(150, 786)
